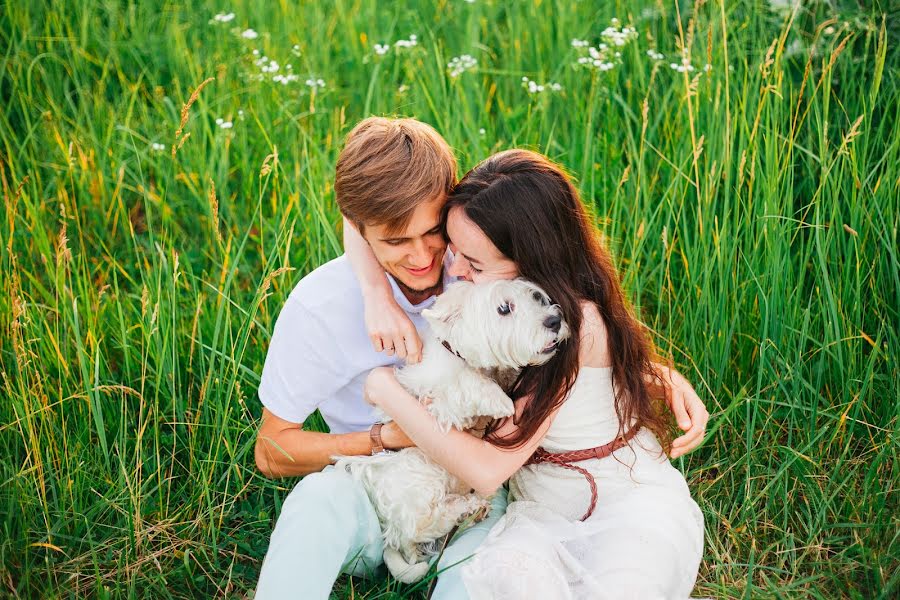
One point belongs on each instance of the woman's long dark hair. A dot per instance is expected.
(530, 210)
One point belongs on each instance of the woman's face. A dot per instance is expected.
(475, 258)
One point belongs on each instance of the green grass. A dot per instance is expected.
(754, 211)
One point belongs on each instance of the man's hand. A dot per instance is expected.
(393, 437)
(390, 328)
(690, 412)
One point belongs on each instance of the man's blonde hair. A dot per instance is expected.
(387, 168)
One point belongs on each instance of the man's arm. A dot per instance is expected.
(285, 449)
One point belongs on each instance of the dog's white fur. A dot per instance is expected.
(496, 327)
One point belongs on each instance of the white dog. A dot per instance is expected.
(477, 331)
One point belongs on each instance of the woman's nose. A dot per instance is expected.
(459, 267)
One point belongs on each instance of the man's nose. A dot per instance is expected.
(420, 256)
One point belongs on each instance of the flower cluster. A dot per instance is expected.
(157, 147)
(223, 124)
(381, 49)
(222, 18)
(686, 66)
(460, 64)
(534, 87)
(652, 53)
(606, 54)
(315, 83)
(269, 66)
(249, 34)
(412, 41)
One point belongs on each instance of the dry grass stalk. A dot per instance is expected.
(185, 112)
(63, 254)
(851, 135)
(268, 280)
(270, 163)
(214, 207)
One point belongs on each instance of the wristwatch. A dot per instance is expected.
(375, 436)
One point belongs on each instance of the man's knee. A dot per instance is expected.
(329, 496)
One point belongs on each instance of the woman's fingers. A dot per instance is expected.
(413, 344)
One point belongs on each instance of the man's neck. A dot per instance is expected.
(418, 296)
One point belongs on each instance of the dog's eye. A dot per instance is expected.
(505, 308)
(539, 297)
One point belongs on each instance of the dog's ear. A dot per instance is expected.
(448, 307)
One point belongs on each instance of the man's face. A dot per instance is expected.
(414, 256)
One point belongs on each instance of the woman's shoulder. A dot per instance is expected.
(593, 347)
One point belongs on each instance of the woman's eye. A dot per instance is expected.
(505, 308)
(474, 270)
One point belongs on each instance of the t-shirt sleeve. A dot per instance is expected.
(300, 369)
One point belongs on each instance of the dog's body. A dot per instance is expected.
(476, 330)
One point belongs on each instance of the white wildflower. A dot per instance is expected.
(157, 147)
(249, 34)
(412, 41)
(707, 68)
(285, 79)
(241, 115)
(655, 55)
(795, 48)
(381, 49)
(605, 55)
(460, 64)
(315, 83)
(481, 131)
(255, 52)
(403, 89)
(295, 50)
(222, 18)
(223, 124)
(534, 87)
(784, 7)
(829, 30)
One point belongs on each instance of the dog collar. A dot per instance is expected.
(450, 349)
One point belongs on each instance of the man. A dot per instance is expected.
(392, 180)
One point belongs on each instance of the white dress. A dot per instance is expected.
(644, 539)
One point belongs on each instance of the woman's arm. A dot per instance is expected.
(478, 463)
(689, 410)
(388, 326)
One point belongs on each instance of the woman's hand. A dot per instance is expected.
(389, 327)
(689, 410)
(379, 384)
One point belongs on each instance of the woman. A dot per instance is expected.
(619, 525)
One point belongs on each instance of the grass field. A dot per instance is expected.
(753, 205)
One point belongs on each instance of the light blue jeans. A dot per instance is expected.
(328, 526)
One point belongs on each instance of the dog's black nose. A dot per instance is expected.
(553, 323)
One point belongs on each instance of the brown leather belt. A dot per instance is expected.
(565, 460)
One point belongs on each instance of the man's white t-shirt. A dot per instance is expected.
(320, 353)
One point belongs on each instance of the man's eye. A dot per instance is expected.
(505, 308)
(393, 242)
